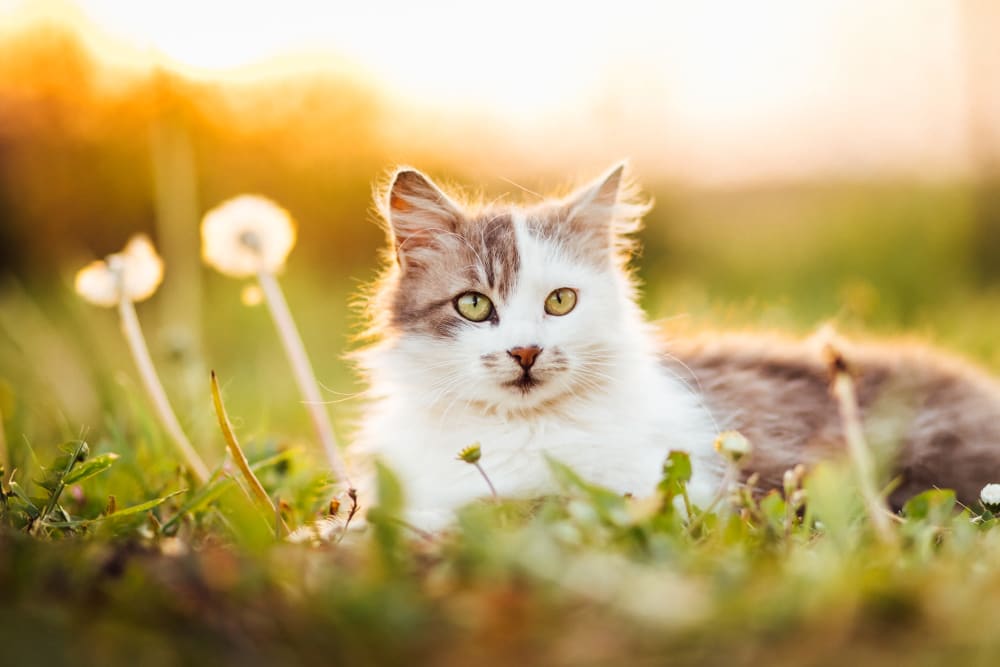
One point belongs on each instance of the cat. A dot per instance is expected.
(517, 327)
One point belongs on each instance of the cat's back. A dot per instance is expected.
(934, 417)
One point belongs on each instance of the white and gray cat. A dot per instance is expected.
(516, 327)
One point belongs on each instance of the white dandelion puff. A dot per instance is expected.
(134, 273)
(120, 280)
(250, 235)
(246, 235)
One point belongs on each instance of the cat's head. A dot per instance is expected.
(505, 307)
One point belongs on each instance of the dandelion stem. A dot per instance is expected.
(240, 458)
(303, 372)
(493, 490)
(140, 353)
(728, 479)
(861, 457)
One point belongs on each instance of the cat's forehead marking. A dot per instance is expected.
(497, 250)
(481, 255)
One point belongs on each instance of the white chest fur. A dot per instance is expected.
(618, 439)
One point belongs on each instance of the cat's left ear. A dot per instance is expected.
(421, 217)
(604, 212)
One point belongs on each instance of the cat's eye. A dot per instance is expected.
(474, 306)
(560, 301)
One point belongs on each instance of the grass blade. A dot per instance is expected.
(240, 458)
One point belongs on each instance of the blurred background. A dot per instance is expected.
(812, 162)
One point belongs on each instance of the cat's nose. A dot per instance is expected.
(525, 355)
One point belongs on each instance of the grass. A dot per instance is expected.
(587, 578)
(109, 550)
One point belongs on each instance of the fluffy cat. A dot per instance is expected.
(516, 327)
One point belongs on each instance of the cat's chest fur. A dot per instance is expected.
(618, 438)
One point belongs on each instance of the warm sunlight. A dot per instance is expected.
(790, 87)
(521, 332)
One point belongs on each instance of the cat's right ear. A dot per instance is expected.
(419, 214)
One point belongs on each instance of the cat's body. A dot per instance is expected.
(933, 419)
(516, 327)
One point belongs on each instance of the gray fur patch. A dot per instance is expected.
(479, 255)
(936, 416)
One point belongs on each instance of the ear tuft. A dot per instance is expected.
(409, 184)
(595, 202)
(418, 213)
(607, 211)
(606, 193)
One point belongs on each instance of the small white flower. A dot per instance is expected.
(247, 234)
(732, 445)
(134, 273)
(990, 497)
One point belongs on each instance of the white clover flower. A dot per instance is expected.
(246, 235)
(732, 445)
(134, 273)
(990, 497)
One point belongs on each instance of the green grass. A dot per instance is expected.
(587, 578)
(183, 575)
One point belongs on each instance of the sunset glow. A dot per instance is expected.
(789, 87)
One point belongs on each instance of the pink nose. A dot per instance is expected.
(525, 355)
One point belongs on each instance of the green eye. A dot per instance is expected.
(474, 306)
(560, 301)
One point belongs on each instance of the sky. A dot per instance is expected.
(707, 91)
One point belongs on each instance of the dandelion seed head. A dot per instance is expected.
(97, 284)
(247, 234)
(134, 273)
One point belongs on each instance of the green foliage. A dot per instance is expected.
(676, 475)
(630, 578)
(88, 469)
(386, 519)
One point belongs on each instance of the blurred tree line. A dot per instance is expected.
(90, 155)
(981, 19)
(86, 152)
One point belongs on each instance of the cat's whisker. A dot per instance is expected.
(521, 187)
(334, 401)
(696, 394)
(444, 386)
(447, 410)
(686, 367)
